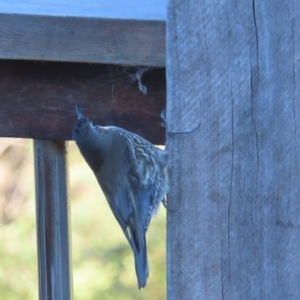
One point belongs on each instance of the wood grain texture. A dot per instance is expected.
(112, 9)
(82, 39)
(235, 182)
(38, 99)
(104, 31)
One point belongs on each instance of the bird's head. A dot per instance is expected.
(94, 142)
(83, 126)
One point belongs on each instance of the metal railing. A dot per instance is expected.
(52, 207)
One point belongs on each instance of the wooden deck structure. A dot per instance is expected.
(231, 65)
(55, 54)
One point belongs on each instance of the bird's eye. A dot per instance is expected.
(93, 124)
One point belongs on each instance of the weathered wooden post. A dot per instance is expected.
(234, 66)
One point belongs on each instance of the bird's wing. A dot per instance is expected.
(125, 197)
(135, 226)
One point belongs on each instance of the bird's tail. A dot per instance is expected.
(141, 266)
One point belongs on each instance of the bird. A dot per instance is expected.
(132, 174)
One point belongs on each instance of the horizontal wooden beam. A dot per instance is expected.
(111, 32)
(38, 99)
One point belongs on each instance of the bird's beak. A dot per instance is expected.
(79, 114)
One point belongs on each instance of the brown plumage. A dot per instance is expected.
(133, 176)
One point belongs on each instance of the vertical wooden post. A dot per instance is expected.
(234, 66)
(55, 282)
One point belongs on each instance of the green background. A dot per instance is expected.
(103, 266)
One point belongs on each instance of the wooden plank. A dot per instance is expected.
(112, 9)
(38, 99)
(111, 32)
(235, 181)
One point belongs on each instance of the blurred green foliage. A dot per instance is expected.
(103, 266)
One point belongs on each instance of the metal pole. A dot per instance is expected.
(55, 282)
